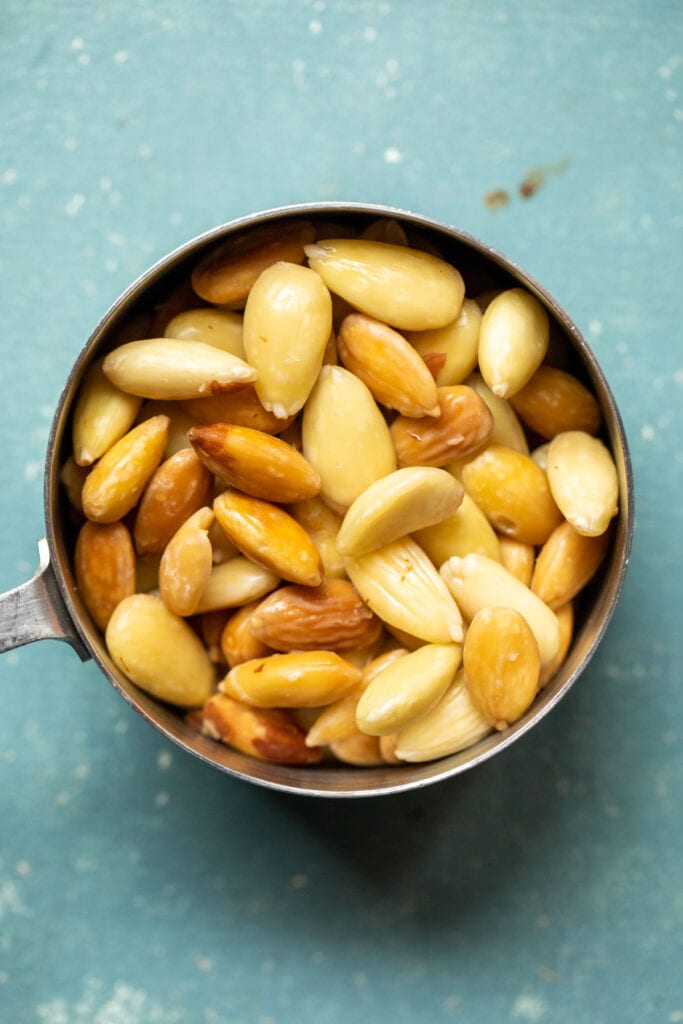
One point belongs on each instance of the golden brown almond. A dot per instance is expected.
(216, 327)
(159, 651)
(210, 626)
(167, 368)
(518, 558)
(583, 480)
(117, 480)
(513, 340)
(287, 325)
(404, 287)
(259, 464)
(227, 273)
(513, 493)
(241, 407)
(553, 401)
(345, 437)
(453, 725)
(102, 415)
(400, 503)
(104, 562)
(565, 564)
(236, 582)
(147, 573)
(322, 525)
(391, 368)
(178, 488)
(464, 426)
(269, 536)
(358, 749)
(387, 748)
(331, 616)
(457, 343)
(223, 549)
(238, 641)
(502, 664)
(186, 564)
(265, 733)
(565, 617)
(300, 679)
(466, 530)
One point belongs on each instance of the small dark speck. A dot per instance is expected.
(537, 177)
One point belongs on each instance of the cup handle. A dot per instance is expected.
(35, 610)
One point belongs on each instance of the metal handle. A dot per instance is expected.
(36, 611)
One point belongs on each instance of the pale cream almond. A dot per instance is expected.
(216, 327)
(234, 583)
(457, 343)
(513, 339)
(453, 725)
(464, 531)
(168, 368)
(583, 480)
(507, 429)
(518, 558)
(322, 525)
(102, 415)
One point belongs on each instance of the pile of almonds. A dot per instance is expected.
(329, 506)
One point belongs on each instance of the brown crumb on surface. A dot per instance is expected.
(537, 177)
(496, 198)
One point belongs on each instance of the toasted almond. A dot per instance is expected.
(241, 407)
(453, 725)
(159, 651)
(215, 327)
(358, 749)
(322, 525)
(269, 536)
(401, 286)
(583, 480)
(117, 480)
(513, 340)
(513, 492)
(406, 500)
(168, 368)
(464, 426)
(345, 437)
(301, 679)
(257, 463)
(227, 273)
(403, 588)
(331, 616)
(186, 564)
(565, 564)
(478, 582)
(465, 530)
(502, 664)
(238, 641)
(287, 324)
(102, 415)
(179, 487)
(407, 689)
(265, 733)
(553, 401)
(394, 372)
(457, 343)
(104, 562)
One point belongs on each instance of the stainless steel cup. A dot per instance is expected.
(49, 606)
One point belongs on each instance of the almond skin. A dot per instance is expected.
(332, 616)
(265, 733)
(463, 426)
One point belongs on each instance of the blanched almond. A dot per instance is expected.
(241, 407)
(404, 287)
(513, 339)
(269, 536)
(259, 464)
(507, 430)
(234, 583)
(322, 525)
(228, 271)
(463, 426)
(178, 488)
(215, 327)
(159, 652)
(265, 733)
(186, 564)
(403, 588)
(102, 415)
(345, 437)
(167, 368)
(400, 503)
(358, 749)
(518, 558)
(565, 617)
(553, 401)
(117, 480)
(454, 724)
(565, 564)
(104, 562)
(302, 679)
(287, 324)
(238, 641)
(331, 616)
(583, 481)
(179, 423)
(458, 342)
(392, 369)
(502, 664)
(465, 530)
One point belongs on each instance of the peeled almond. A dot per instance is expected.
(583, 480)
(407, 689)
(513, 340)
(169, 368)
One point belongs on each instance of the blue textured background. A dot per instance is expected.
(136, 885)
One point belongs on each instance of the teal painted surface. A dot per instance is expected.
(137, 886)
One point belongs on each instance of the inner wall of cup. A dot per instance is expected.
(482, 270)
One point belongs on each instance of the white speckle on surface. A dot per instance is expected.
(121, 726)
(77, 43)
(360, 980)
(676, 1016)
(114, 238)
(595, 328)
(203, 963)
(451, 1003)
(82, 865)
(647, 432)
(145, 151)
(63, 798)
(105, 184)
(23, 868)
(75, 204)
(670, 94)
(359, 148)
(11, 658)
(4, 977)
(9, 756)
(299, 881)
(9, 176)
(11, 903)
(82, 771)
(70, 144)
(393, 155)
(162, 799)
(32, 470)
(678, 114)
(164, 760)
(121, 56)
(370, 34)
(299, 72)
(528, 1007)
(123, 1004)
(315, 26)
(83, 59)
